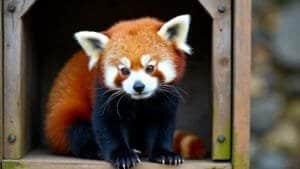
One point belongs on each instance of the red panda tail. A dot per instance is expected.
(189, 145)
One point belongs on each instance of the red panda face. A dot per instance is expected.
(138, 83)
(141, 80)
(139, 56)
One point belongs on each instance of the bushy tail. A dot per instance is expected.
(189, 145)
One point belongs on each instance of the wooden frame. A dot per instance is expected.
(241, 81)
(1, 83)
(230, 79)
(220, 11)
(15, 124)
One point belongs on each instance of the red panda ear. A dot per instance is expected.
(93, 44)
(176, 30)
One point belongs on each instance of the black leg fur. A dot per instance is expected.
(111, 131)
(160, 131)
(118, 129)
(82, 142)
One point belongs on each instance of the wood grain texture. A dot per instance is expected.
(221, 80)
(241, 81)
(194, 113)
(16, 90)
(1, 82)
(15, 59)
(42, 160)
(211, 6)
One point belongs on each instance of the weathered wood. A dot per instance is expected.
(42, 160)
(211, 6)
(1, 83)
(241, 81)
(221, 78)
(17, 63)
(16, 125)
(25, 6)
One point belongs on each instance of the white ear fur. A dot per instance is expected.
(176, 30)
(92, 43)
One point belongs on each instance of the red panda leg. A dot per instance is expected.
(61, 117)
(82, 141)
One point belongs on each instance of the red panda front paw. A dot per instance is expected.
(166, 157)
(124, 158)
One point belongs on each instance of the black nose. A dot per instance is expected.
(138, 86)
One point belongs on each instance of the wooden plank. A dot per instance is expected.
(16, 128)
(43, 160)
(25, 6)
(241, 81)
(209, 6)
(221, 78)
(24, 164)
(1, 82)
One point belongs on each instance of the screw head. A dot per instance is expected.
(12, 138)
(221, 8)
(221, 138)
(11, 8)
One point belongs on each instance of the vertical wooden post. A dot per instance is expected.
(221, 68)
(1, 83)
(16, 128)
(241, 81)
(220, 11)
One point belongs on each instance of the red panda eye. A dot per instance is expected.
(149, 69)
(125, 71)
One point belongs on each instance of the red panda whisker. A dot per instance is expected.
(165, 93)
(182, 90)
(120, 98)
(106, 90)
(168, 92)
(111, 98)
(168, 88)
(177, 87)
(110, 90)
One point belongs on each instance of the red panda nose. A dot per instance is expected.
(138, 86)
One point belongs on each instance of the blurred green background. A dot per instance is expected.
(275, 85)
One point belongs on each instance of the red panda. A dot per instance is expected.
(122, 81)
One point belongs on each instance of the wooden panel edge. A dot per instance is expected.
(15, 125)
(43, 159)
(221, 63)
(1, 82)
(42, 164)
(241, 82)
(209, 6)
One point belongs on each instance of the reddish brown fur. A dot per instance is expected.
(69, 100)
(193, 148)
(138, 37)
(72, 95)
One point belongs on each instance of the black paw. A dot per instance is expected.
(125, 158)
(166, 157)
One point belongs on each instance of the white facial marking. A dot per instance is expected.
(125, 62)
(110, 74)
(145, 59)
(167, 68)
(151, 84)
(153, 63)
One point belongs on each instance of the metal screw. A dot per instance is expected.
(11, 8)
(221, 138)
(12, 138)
(221, 8)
